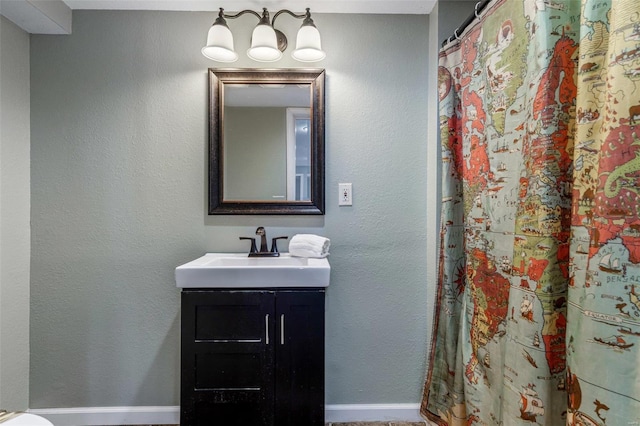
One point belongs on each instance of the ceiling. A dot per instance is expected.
(318, 6)
(55, 16)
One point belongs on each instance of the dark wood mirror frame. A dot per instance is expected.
(217, 79)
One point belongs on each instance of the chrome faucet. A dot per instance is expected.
(264, 252)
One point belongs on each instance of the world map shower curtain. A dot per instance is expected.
(538, 304)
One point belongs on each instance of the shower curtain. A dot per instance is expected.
(538, 302)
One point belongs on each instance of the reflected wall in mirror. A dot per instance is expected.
(266, 141)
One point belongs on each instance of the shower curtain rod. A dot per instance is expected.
(476, 14)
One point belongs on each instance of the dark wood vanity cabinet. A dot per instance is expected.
(252, 357)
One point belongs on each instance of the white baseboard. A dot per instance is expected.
(87, 416)
(372, 412)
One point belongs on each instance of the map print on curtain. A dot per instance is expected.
(538, 304)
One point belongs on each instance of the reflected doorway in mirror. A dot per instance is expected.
(298, 154)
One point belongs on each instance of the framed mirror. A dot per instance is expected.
(266, 141)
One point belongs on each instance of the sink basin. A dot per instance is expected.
(237, 270)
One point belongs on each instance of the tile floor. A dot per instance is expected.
(378, 424)
(360, 424)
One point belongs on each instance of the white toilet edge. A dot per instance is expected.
(26, 419)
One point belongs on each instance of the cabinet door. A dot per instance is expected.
(227, 358)
(300, 358)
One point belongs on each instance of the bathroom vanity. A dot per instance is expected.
(252, 354)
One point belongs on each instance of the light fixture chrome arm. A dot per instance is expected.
(221, 14)
(307, 14)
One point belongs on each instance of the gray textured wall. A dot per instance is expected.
(14, 216)
(119, 145)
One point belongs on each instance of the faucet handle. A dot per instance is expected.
(274, 243)
(253, 244)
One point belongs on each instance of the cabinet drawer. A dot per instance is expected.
(226, 316)
(243, 321)
(226, 370)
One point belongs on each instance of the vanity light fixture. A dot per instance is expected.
(267, 43)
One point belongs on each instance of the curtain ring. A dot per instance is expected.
(475, 9)
(455, 34)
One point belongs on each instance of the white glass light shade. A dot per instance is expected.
(264, 44)
(220, 44)
(308, 46)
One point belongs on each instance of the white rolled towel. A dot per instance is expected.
(309, 245)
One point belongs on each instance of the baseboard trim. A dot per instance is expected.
(372, 412)
(90, 416)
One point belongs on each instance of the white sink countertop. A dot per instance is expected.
(237, 270)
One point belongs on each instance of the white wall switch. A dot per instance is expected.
(345, 196)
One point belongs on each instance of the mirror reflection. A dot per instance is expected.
(269, 122)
